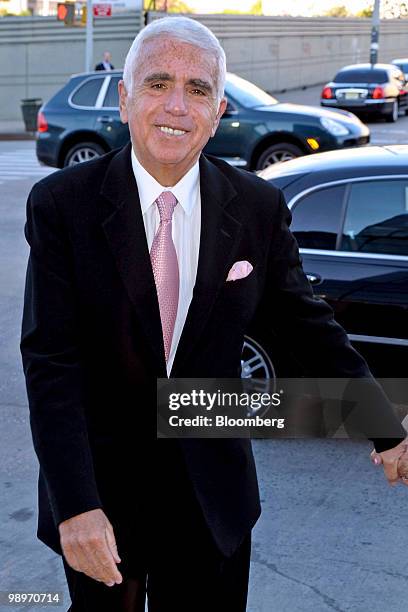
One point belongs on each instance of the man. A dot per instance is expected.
(126, 283)
(105, 64)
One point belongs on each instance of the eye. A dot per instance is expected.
(198, 92)
(158, 85)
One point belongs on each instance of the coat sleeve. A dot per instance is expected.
(50, 349)
(306, 326)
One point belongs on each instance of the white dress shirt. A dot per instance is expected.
(186, 232)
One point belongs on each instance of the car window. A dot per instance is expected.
(87, 93)
(403, 67)
(361, 76)
(247, 94)
(317, 217)
(112, 96)
(376, 219)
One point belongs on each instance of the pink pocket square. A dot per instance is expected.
(240, 269)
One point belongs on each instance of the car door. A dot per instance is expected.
(108, 123)
(354, 243)
(227, 143)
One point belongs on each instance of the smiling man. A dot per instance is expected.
(150, 262)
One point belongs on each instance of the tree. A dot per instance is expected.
(256, 9)
(337, 11)
(171, 6)
(366, 12)
(394, 9)
(178, 6)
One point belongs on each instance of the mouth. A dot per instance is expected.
(171, 131)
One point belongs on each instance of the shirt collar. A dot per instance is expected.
(149, 189)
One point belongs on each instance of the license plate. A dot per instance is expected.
(352, 95)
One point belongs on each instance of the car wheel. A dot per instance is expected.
(255, 361)
(277, 153)
(393, 115)
(81, 152)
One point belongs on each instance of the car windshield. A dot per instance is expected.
(247, 94)
(361, 76)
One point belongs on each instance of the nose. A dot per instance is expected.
(176, 102)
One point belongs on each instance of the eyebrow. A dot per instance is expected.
(165, 76)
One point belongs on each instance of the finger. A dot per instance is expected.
(89, 567)
(391, 470)
(110, 538)
(105, 562)
(403, 468)
(375, 458)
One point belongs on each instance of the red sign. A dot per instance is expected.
(102, 10)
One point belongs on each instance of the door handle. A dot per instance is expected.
(105, 119)
(314, 279)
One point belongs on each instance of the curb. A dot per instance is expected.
(17, 136)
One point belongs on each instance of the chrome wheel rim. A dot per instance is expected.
(395, 111)
(255, 363)
(277, 157)
(82, 155)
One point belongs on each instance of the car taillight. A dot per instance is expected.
(378, 93)
(42, 125)
(327, 93)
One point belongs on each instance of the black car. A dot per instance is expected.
(402, 64)
(350, 218)
(364, 88)
(82, 121)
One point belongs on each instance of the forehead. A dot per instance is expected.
(177, 58)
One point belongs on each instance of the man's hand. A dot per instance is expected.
(394, 461)
(89, 546)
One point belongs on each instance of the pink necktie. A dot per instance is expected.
(165, 268)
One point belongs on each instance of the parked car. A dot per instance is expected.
(350, 218)
(82, 121)
(364, 88)
(402, 64)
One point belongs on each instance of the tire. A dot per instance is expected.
(255, 361)
(393, 115)
(83, 151)
(277, 153)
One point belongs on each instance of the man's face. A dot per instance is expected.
(173, 110)
(107, 56)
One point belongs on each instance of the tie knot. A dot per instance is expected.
(166, 203)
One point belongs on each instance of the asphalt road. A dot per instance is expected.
(332, 535)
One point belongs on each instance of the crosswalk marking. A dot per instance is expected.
(21, 164)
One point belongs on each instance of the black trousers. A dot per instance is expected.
(168, 555)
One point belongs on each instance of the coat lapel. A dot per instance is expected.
(124, 229)
(219, 235)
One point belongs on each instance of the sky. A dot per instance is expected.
(277, 7)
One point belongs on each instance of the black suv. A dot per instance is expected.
(82, 121)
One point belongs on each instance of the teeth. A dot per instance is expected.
(168, 130)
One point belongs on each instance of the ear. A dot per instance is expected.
(123, 101)
(221, 110)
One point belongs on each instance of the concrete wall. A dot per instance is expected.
(37, 54)
(280, 53)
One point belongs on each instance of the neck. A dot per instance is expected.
(167, 175)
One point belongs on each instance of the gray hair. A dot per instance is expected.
(186, 30)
